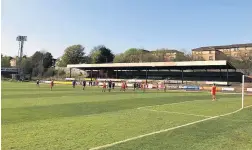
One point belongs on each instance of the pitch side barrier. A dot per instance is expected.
(152, 84)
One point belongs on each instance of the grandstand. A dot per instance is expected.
(219, 71)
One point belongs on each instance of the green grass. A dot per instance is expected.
(67, 118)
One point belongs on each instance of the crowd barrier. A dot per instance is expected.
(249, 89)
(227, 89)
(47, 82)
(207, 88)
(69, 79)
(216, 83)
(154, 86)
(113, 80)
(63, 82)
(196, 88)
(174, 87)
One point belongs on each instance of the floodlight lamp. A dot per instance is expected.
(21, 38)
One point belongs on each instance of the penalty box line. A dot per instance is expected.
(174, 112)
(169, 104)
(165, 130)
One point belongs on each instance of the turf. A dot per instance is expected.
(66, 118)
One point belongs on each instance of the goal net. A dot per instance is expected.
(246, 91)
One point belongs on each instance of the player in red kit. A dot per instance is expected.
(213, 91)
(104, 87)
(52, 84)
(123, 87)
(143, 86)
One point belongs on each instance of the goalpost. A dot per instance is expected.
(246, 88)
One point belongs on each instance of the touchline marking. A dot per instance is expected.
(164, 130)
(173, 112)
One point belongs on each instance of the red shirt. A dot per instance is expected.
(123, 85)
(213, 89)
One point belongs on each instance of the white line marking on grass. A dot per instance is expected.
(169, 104)
(164, 130)
(247, 94)
(248, 106)
(173, 112)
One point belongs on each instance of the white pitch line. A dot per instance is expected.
(247, 94)
(180, 113)
(164, 130)
(248, 106)
(169, 104)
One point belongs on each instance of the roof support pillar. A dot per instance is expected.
(182, 76)
(70, 72)
(91, 76)
(227, 76)
(146, 75)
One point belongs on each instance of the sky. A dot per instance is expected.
(53, 25)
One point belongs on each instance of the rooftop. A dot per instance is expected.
(185, 65)
(207, 48)
(166, 51)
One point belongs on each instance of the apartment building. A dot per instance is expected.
(221, 52)
(167, 55)
(13, 62)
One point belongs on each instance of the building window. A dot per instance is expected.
(210, 57)
(210, 52)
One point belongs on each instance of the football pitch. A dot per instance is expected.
(35, 118)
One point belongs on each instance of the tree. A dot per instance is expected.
(243, 62)
(42, 57)
(37, 58)
(49, 72)
(41, 61)
(119, 58)
(134, 55)
(101, 54)
(184, 56)
(160, 55)
(5, 61)
(73, 55)
(26, 65)
(38, 71)
(87, 59)
(148, 57)
(47, 60)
